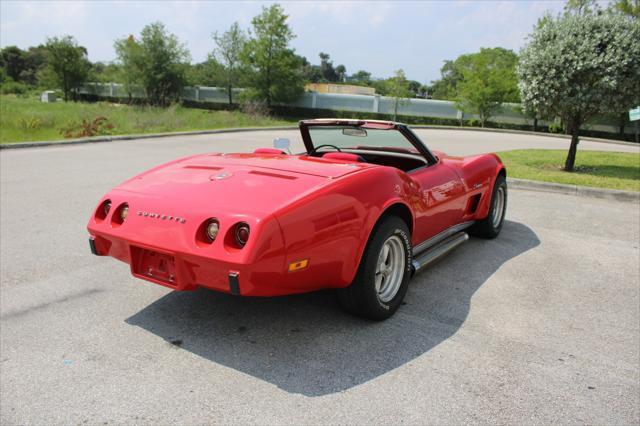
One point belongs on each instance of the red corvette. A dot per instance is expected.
(365, 207)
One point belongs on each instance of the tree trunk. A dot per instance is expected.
(395, 110)
(65, 88)
(230, 95)
(535, 124)
(622, 121)
(571, 157)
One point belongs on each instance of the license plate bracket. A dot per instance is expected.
(154, 266)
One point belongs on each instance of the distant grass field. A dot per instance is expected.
(28, 119)
(593, 168)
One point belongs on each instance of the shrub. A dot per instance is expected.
(29, 123)
(97, 127)
(256, 108)
(13, 87)
(556, 128)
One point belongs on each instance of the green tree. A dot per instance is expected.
(277, 70)
(581, 6)
(341, 73)
(360, 77)
(129, 53)
(326, 68)
(398, 89)
(67, 63)
(415, 88)
(629, 8)
(446, 87)
(330, 73)
(35, 60)
(488, 79)
(105, 72)
(157, 63)
(576, 66)
(229, 47)
(310, 73)
(208, 73)
(12, 59)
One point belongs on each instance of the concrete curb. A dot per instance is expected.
(579, 191)
(98, 139)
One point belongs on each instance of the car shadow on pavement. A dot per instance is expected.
(305, 344)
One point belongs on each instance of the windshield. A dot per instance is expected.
(358, 138)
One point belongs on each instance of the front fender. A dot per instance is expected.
(493, 167)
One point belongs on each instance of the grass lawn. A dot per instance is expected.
(593, 168)
(28, 119)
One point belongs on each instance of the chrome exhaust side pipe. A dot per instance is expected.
(437, 251)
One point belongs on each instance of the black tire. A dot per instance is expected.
(487, 228)
(361, 297)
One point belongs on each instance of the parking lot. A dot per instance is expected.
(541, 325)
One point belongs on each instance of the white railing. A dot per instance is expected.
(510, 113)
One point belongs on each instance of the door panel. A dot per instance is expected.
(444, 199)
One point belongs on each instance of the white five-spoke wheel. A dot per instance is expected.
(390, 268)
(498, 206)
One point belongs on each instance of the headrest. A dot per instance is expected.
(344, 156)
(268, 151)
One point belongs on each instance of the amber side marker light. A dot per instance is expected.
(297, 266)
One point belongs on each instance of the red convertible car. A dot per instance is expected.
(362, 209)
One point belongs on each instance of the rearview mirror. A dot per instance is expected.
(282, 144)
(350, 131)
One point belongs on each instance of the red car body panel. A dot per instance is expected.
(317, 213)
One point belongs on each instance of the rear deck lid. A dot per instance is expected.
(237, 182)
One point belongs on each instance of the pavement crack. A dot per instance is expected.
(42, 306)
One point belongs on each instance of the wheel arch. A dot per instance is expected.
(397, 208)
(499, 170)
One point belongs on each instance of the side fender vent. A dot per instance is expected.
(472, 204)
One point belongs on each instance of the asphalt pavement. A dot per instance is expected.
(541, 325)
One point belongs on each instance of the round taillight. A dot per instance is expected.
(212, 229)
(102, 211)
(119, 215)
(242, 234)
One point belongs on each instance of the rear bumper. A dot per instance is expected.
(186, 271)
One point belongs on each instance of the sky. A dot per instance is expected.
(376, 36)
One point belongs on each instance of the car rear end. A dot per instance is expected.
(182, 250)
(208, 221)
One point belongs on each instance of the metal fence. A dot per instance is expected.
(509, 114)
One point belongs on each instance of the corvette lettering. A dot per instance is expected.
(161, 216)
